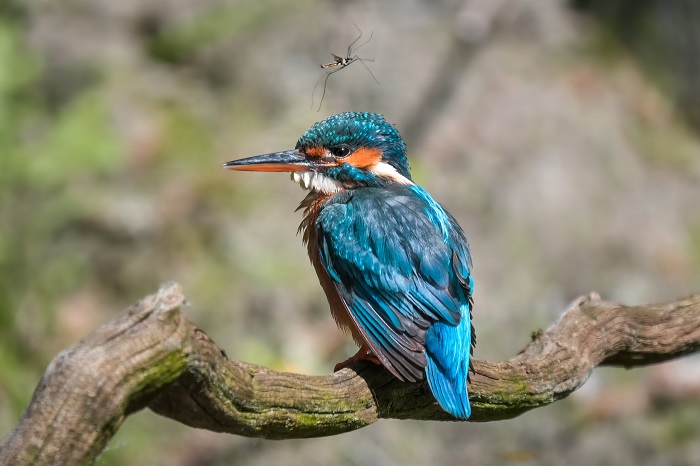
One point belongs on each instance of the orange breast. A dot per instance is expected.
(338, 309)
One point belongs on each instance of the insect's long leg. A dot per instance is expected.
(325, 83)
(362, 44)
(362, 60)
(315, 86)
(348, 54)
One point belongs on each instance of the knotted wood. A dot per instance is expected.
(152, 356)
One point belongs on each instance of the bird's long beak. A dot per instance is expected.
(285, 161)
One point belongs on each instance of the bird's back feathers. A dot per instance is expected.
(401, 266)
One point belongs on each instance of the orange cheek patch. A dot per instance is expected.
(317, 152)
(364, 157)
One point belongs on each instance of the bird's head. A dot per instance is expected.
(344, 151)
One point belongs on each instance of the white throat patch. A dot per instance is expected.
(385, 170)
(317, 182)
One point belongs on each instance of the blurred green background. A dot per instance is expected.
(562, 135)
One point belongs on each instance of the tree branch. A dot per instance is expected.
(152, 356)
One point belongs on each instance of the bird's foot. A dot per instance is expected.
(364, 354)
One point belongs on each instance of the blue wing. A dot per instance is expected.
(400, 263)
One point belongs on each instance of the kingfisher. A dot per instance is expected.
(394, 265)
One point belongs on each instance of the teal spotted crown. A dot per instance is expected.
(359, 129)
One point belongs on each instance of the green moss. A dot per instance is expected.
(513, 399)
(161, 373)
(320, 425)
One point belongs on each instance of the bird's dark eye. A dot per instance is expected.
(341, 151)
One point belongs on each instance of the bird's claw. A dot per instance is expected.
(364, 354)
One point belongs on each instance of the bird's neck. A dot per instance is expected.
(312, 204)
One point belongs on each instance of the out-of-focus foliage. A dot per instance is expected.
(666, 38)
(43, 151)
(562, 158)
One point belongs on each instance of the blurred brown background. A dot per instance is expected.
(563, 135)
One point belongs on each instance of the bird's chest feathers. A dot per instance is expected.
(312, 205)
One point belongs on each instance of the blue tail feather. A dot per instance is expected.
(447, 348)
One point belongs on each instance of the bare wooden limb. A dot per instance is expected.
(152, 356)
(88, 390)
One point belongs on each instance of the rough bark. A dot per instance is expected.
(152, 356)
